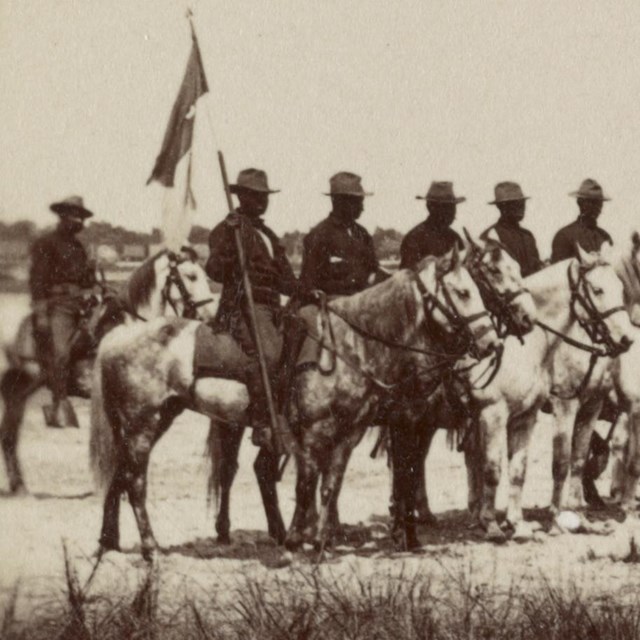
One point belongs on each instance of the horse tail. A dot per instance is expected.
(102, 446)
(214, 454)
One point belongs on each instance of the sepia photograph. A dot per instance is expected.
(319, 319)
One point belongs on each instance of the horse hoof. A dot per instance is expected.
(223, 538)
(569, 521)
(523, 532)
(293, 542)
(495, 533)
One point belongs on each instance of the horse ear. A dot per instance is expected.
(470, 241)
(585, 258)
(456, 260)
(635, 241)
(444, 263)
(493, 236)
(606, 252)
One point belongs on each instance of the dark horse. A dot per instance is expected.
(163, 284)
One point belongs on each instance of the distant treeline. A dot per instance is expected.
(386, 241)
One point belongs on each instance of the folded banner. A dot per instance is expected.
(173, 164)
(179, 134)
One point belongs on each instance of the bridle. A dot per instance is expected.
(460, 337)
(602, 343)
(190, 306)
(499, 304)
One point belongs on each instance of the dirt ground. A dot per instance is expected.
(62, 509)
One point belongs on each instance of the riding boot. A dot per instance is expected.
(259, 415)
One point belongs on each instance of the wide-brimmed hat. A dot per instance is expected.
(71, 205)
(345, 183)
(252, 179)
(441, 192)
(589, 190)
(507, 192)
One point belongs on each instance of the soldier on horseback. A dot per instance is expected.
(434, 236)
(339, 257)
(271, 276)
(518, 241)
(60, 275)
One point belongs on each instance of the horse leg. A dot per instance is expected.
(632, 468)
(306, 484)
(16, 388)
(423, 510)
(230, 440)
(110, 534)
(266, 470)
(584, 424)
(519, 432)
(619, 455)
(474, 462)
(493, 422)
(564, 412)
(403, 455)
(331, 485)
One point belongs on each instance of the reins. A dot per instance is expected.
(594, 326)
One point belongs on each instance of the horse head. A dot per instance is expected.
(453, 302)
(501, 285)
(184, 286)
(597, 300)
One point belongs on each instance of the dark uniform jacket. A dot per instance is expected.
(58, 259)
(520, 243)
(427, 239)
(338, 258)
(269, 276)
(589, 235)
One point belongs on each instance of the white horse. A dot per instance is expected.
(164, 284)
(581, 314)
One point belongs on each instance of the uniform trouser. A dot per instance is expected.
(63, 314)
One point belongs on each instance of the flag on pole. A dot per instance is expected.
(172, 168)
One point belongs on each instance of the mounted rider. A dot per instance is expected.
(519, 242)
(338, 256)
(434, 236)
(585, 230)
(60, 275)
(271, 276)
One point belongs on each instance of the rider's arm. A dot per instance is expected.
(222, 253)
(561, 248)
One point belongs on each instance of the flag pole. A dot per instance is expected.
(250, 304)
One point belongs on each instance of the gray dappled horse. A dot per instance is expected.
(419, 321)
(165, 283)
(498, 278)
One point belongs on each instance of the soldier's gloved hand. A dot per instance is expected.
(234, 219)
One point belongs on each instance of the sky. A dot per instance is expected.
(542, 92)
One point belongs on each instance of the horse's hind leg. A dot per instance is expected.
(230, 441)
(110, 534)
(632, 470)
(16, 387)
(619, 455)
(564, 415)
(266, 470)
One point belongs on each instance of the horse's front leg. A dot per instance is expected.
(425, 438)
(584, 424)
(632, 467)
(405, 458)
(619, 456)
(331, 485)
(519, 432)
(110, 534)
(474, 463)
(493, 428)
(564, 413)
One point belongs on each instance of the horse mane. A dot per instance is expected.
(138, 289)
(384, 310)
